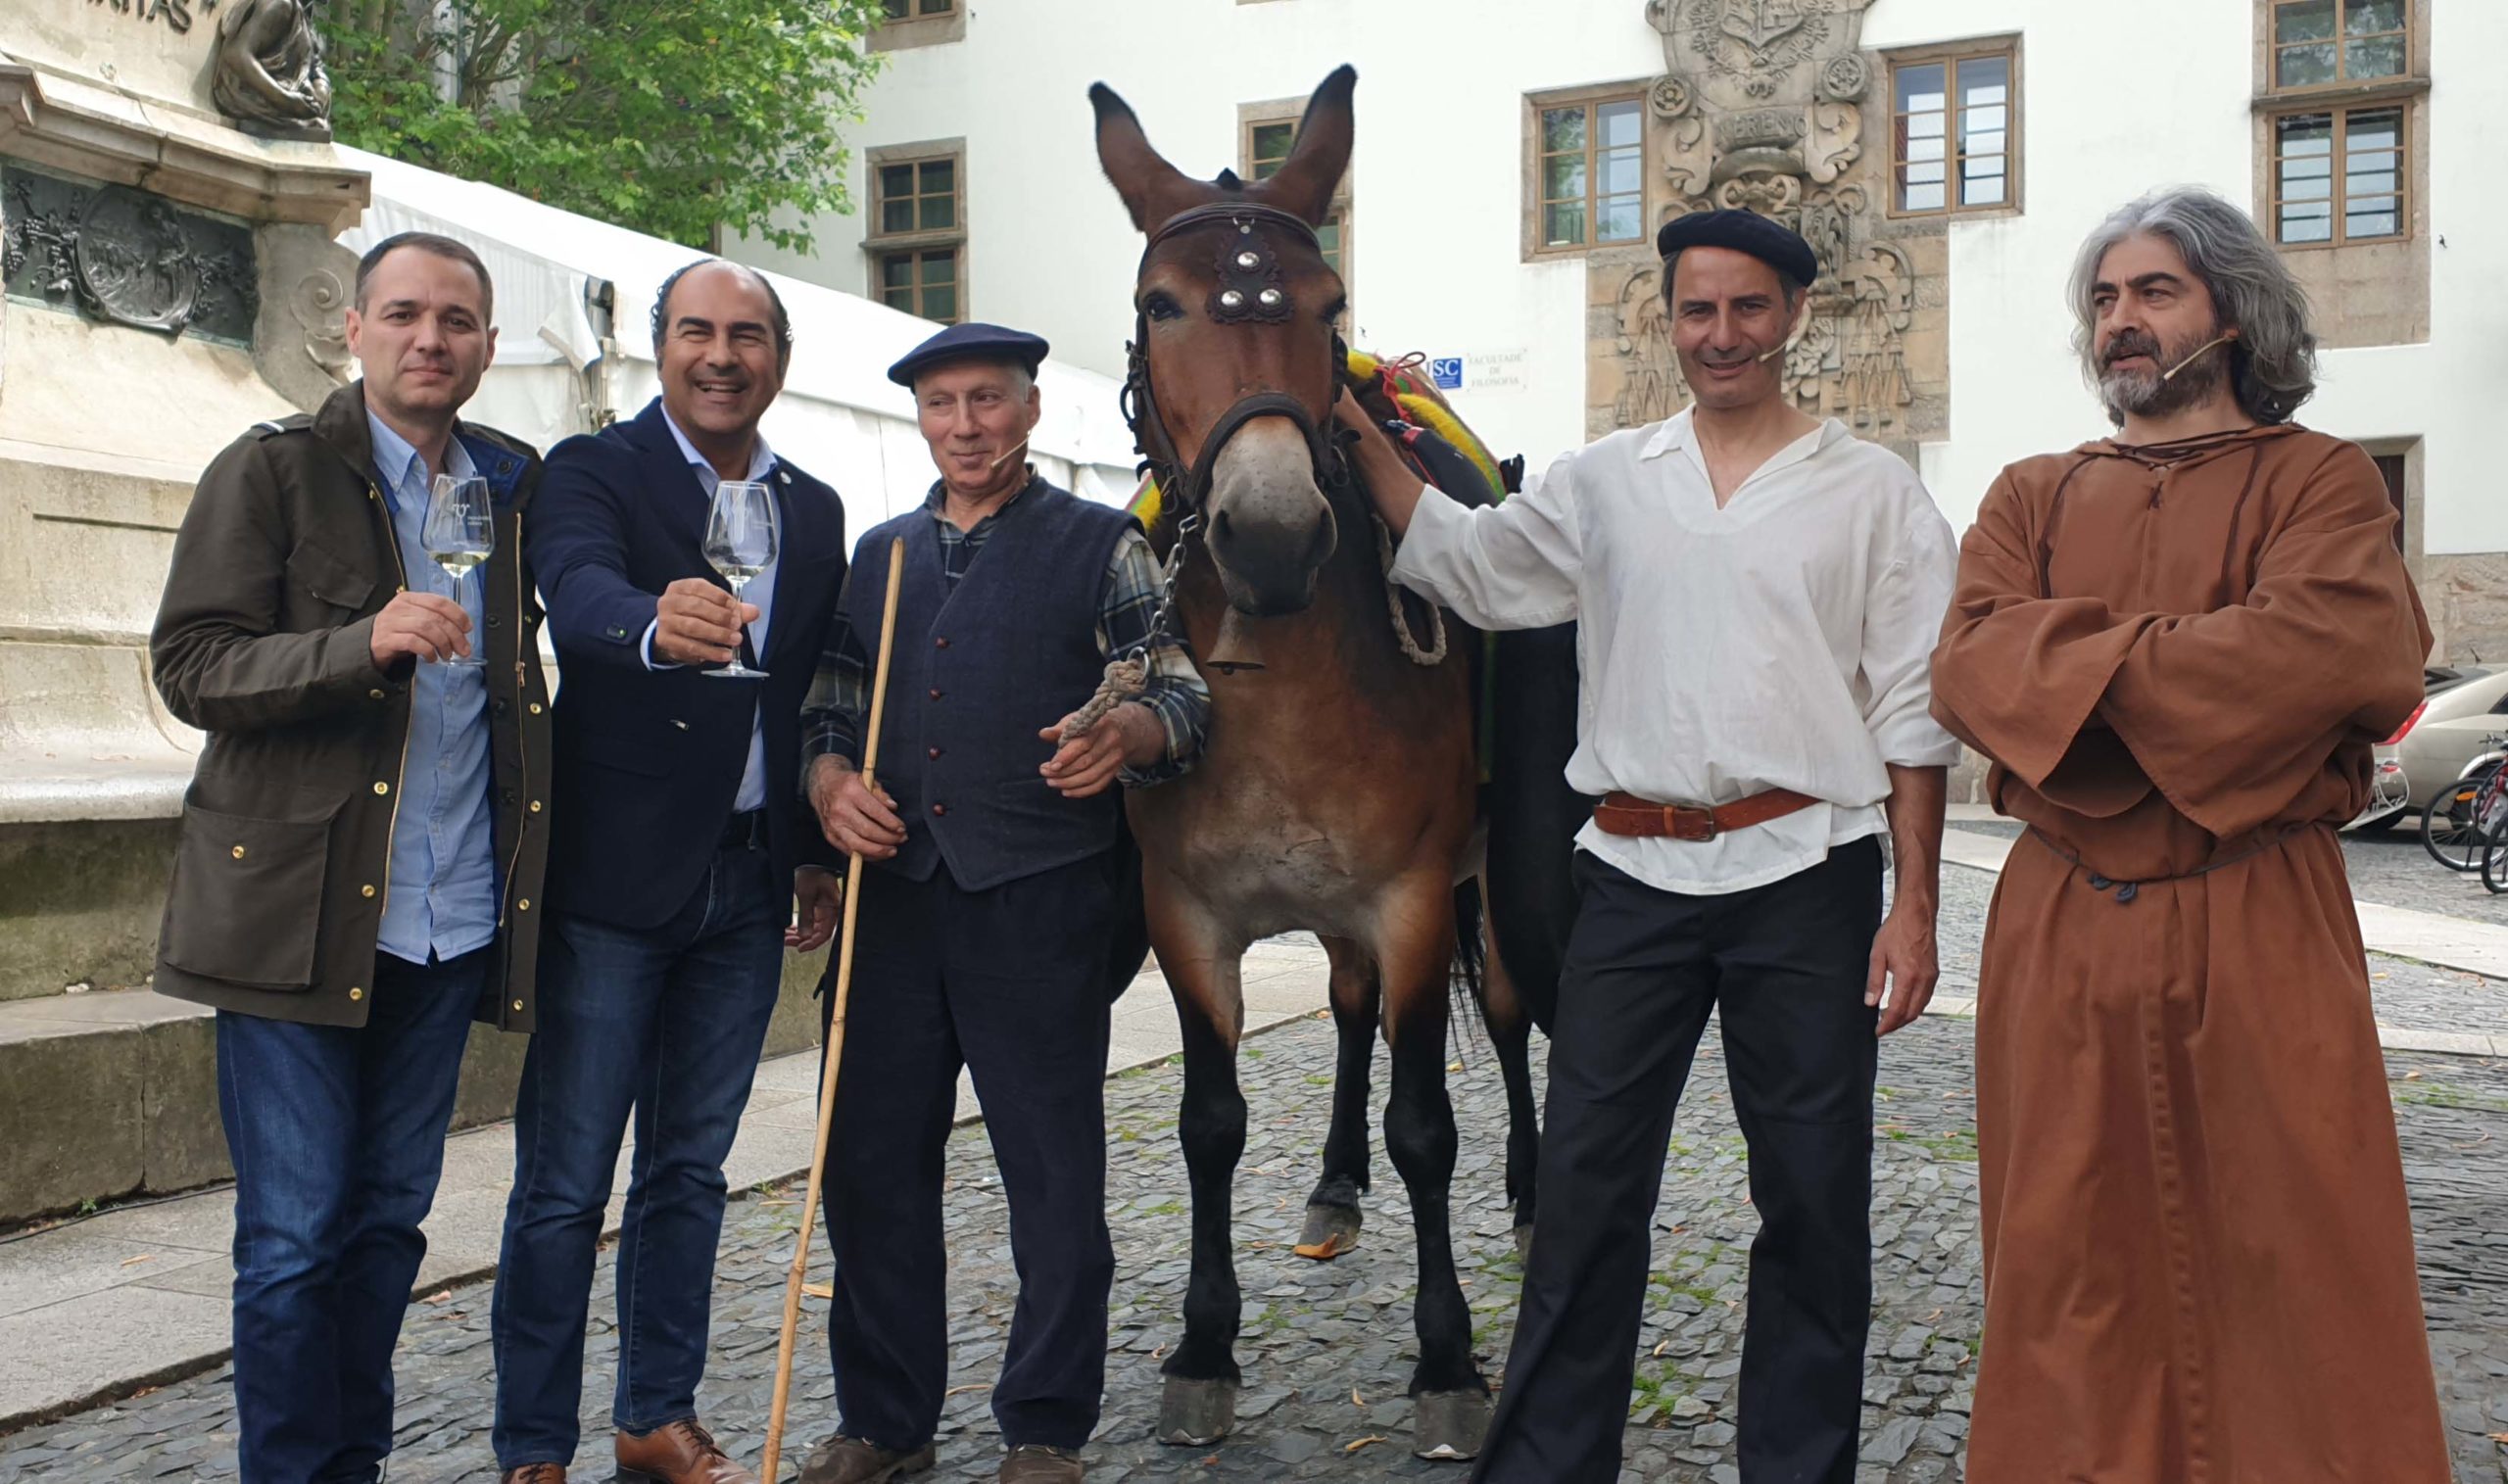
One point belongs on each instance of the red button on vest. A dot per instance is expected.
(940, 808)
(940, 643)
(934, 752)
(935, 693)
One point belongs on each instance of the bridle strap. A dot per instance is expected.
(1185, 484)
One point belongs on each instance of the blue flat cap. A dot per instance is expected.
(1768, 240)
(970, 342)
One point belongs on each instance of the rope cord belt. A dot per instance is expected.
(2127, 891)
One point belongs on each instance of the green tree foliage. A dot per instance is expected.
(676, 117)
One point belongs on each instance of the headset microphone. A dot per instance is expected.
(1007, 456)
(2190, 356)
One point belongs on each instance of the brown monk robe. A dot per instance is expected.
(2198, 1261)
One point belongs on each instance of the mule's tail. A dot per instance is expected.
(1471, 961)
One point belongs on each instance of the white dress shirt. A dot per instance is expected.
(1782, 641)
(760, 591)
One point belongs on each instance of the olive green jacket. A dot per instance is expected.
(262, 642)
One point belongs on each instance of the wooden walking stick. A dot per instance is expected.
(835, 1036)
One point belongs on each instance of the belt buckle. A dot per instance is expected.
(1686, 822)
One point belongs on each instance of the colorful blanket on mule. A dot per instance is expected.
(1386, 389)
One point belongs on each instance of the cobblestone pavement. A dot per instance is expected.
(1327, 1348)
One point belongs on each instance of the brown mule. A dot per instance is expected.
(1337, 793)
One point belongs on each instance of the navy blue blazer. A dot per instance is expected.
(649, 761)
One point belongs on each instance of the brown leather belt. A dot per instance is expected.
(1627, 814)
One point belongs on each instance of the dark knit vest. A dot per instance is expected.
(978, 673)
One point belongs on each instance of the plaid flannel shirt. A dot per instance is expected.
(838, 710)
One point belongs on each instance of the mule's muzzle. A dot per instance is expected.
(1268, 559)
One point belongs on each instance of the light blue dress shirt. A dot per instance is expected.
(760, 591)
(441, 897)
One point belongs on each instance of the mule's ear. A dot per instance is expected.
(1138, 172)
(1307, 179)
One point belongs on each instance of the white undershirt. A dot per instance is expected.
(1783, 642)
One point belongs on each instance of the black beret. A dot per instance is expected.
(970, 342)
(1765, 238)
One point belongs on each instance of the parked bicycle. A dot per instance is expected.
(2459, 826)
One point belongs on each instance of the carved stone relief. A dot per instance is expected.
(1761, 109)
(301, 346)
(125, 255)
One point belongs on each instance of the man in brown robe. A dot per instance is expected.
(2177, 646)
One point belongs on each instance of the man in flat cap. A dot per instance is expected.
(985, 918)
(1759, 593)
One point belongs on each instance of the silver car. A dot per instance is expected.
(2465, 706)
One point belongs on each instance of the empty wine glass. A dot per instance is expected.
(740, 543)
(459, 533)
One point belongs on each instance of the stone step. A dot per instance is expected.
(112, 1093)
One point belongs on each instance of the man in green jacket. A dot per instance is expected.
(362, 840)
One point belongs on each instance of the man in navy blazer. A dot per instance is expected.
(680, 846)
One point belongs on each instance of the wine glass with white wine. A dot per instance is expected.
(461, 532)
(740, 543)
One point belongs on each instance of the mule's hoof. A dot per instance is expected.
(1330, 1230)
(1195, 1414)
(1450, 1424)
(1524, 1244)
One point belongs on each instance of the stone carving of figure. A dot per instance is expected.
(268, 74)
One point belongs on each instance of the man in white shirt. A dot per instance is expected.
(1758, 594)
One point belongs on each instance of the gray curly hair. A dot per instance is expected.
(2273, 361)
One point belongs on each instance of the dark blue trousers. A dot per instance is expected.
(337, 1134)
(1011, 983)
(1783, 965)
(666, 1022)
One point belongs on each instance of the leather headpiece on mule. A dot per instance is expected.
(1252, 290)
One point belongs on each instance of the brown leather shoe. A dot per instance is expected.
(852, 1460)
(677, 1453)
(1036, 1463)
(534, 1473)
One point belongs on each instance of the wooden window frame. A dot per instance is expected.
(1291, 111)
(2340, 41)
(916, 289)
(2338, 167)
(879, 247)
(1948, 56)
(917, 28)
(1537, 199)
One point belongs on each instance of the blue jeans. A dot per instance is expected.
(337, 1134)
(667, 1022)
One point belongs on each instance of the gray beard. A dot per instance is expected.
(2148, 394)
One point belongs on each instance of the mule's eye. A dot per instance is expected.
(1334, 312)
(1160, 305)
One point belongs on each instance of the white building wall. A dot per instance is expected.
(2118, 98)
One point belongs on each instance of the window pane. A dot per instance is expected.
(1979, 143)
(1981, 180)
(1271, 144)
(2366, 17)
(940, 212)
(941, 267)
(2378, 216)
(939, 176)
(1563, 177)
(1985, 82)
(1620, 174)
(899, 299)
(1328, 236)
(1563, 224)
(1920, 195)
(941, 304)
(2304, 66)
(1563, 128)
(1919, 88)
(2376, 57)
(1618, 125)
(2304, 21)
(898, 8)
(896, 270)
(938, 7)
(1618, 218)
(2307, 221)
(896, 180)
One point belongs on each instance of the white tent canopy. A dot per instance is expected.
(838, 418)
